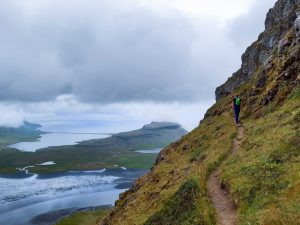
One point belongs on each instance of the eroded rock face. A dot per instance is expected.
(282, 30)
(297, 28)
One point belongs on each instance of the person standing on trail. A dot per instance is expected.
(237, 108)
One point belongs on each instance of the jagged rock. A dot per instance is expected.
(251, 101)
(270, 95)
(254, 92)
(160, 157)
(297, 27)
(284, 11)
(185, 147)
(268, 65)
(281, 26)
(283, 43)
(297, 82)
(261, 81)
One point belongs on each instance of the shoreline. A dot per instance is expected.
(21, 174)
(87, 199)
(55, 216)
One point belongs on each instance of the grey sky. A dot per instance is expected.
(244, 29)
(119, 52)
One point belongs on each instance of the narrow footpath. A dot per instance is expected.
(222, 201)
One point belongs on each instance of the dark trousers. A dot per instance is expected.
(237, 110)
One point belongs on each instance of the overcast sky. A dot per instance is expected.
(137, 60)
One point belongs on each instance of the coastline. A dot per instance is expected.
(61, 201)
(55, 217)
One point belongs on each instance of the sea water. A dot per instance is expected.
(24, 198)
(55, 139)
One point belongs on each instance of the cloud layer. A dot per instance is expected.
(135, 59)
(71, 115)
(245, 28)
(115, 51)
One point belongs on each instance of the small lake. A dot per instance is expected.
(24, 198)
(150, 151)
(55, 139)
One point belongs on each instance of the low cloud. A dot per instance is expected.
(66, 111)
(138, 60)
(11, 115)
(114, 51)
(244, 29)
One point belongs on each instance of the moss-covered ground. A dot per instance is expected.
(175, 190)
(83, 218)
(263, 177)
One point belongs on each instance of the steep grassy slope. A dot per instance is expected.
(183, 165)
(263, 177)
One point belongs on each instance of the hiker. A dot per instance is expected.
(237, 108)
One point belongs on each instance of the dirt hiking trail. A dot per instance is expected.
(220, 196)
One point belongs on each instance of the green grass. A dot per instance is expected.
(8, 139)
(181, 208)
(90, 155)
(266, 170)
(295, 94)
(174, 192)
(67, 160)
(144, 161)
(263, 176)
(84, 218)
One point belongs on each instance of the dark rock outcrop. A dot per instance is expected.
(282, 29)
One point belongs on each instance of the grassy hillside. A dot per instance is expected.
(26, 132)
(263, 177)
(183, 165)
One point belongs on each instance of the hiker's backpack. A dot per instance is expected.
(237, 101)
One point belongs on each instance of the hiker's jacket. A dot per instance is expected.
(236, 102)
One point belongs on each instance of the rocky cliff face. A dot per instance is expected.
(282, 30)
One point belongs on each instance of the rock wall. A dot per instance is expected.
(282, 19)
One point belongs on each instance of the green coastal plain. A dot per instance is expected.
(117, 150)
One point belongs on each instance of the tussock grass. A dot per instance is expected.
(264, 175)
(174, 191)
(181, 208)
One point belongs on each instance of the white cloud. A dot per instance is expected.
(116, 51)
(11, 115)
(66, 109)
(89, 58)
(220, 10)
(244, 29)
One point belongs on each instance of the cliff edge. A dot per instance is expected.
(278, 36)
